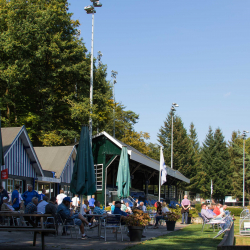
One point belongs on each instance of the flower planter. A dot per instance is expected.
(170, 225)
(135, 233)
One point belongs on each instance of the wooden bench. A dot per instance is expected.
(36, 230)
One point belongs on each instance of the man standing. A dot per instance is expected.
(75, 202)
(60, 197)
(92, 202)
(42, 194)
(41, 205)
(28, 195)
(15, 198)
(66, 214)
(185, 209)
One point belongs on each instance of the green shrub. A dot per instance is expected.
(198, 207)
(235, 210)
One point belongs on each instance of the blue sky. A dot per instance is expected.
(195, 53)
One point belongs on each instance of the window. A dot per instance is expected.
(171, 192)
(10, 185)
(98, 176)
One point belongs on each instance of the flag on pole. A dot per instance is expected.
(163, 168)
(211, 187)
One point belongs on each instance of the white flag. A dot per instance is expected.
(163, 169)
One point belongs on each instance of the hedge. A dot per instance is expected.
(234, 210)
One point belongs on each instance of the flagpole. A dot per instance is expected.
(160, 176)
(211, 191)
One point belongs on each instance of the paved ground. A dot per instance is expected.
(24, 241)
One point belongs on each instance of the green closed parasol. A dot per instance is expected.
(123, 175)
(83, 178)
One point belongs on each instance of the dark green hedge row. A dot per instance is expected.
(234, 210)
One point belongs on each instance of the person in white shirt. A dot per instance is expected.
(75, 202)
(41, 205)
(129, 211)
(60, 197)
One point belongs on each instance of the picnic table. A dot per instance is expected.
(99, 216)
(34, 225)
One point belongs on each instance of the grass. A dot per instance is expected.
(189, 237)
(240, 240)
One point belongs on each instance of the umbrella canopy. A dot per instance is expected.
(1, 146)
(123, 175)
(83, 177)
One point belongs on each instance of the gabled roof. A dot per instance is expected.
(143, 159)
(54, 158)
(9, 137)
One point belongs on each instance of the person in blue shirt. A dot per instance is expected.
(118, 210)
(42, 194)
(112, 207)
(15, 198)
(67, 214)
(92, 202)
(28, 195)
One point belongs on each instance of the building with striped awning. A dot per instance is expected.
(20, 159)
(59, 160)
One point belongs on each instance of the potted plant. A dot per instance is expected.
(171, 219)
(136, 223)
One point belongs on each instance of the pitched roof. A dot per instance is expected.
(54, 158)
(143, 159)
(8, 136)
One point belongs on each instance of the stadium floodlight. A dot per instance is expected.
(90, 9)
(172, 129)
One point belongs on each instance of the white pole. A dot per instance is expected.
(91, 79)
(160, 176)
(114, 107)
(172, 141)
(243, 173)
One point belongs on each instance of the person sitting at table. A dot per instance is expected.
(97, 209)
(135, 206)
(50, 208)
(28, 195)
(112, 207)
(64, 211)
(5, 206)
(205, 214)
(42, 204)
(86, 210)
(162, 211)
(158, 215)
(128, 210)
(31, 207)
(142, 206)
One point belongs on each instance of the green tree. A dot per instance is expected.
(236, 160)
(154, 151)
(181, 144)
(195, 171)
(215, 161)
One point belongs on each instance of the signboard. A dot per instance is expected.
(4, 174)
(229, 199)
